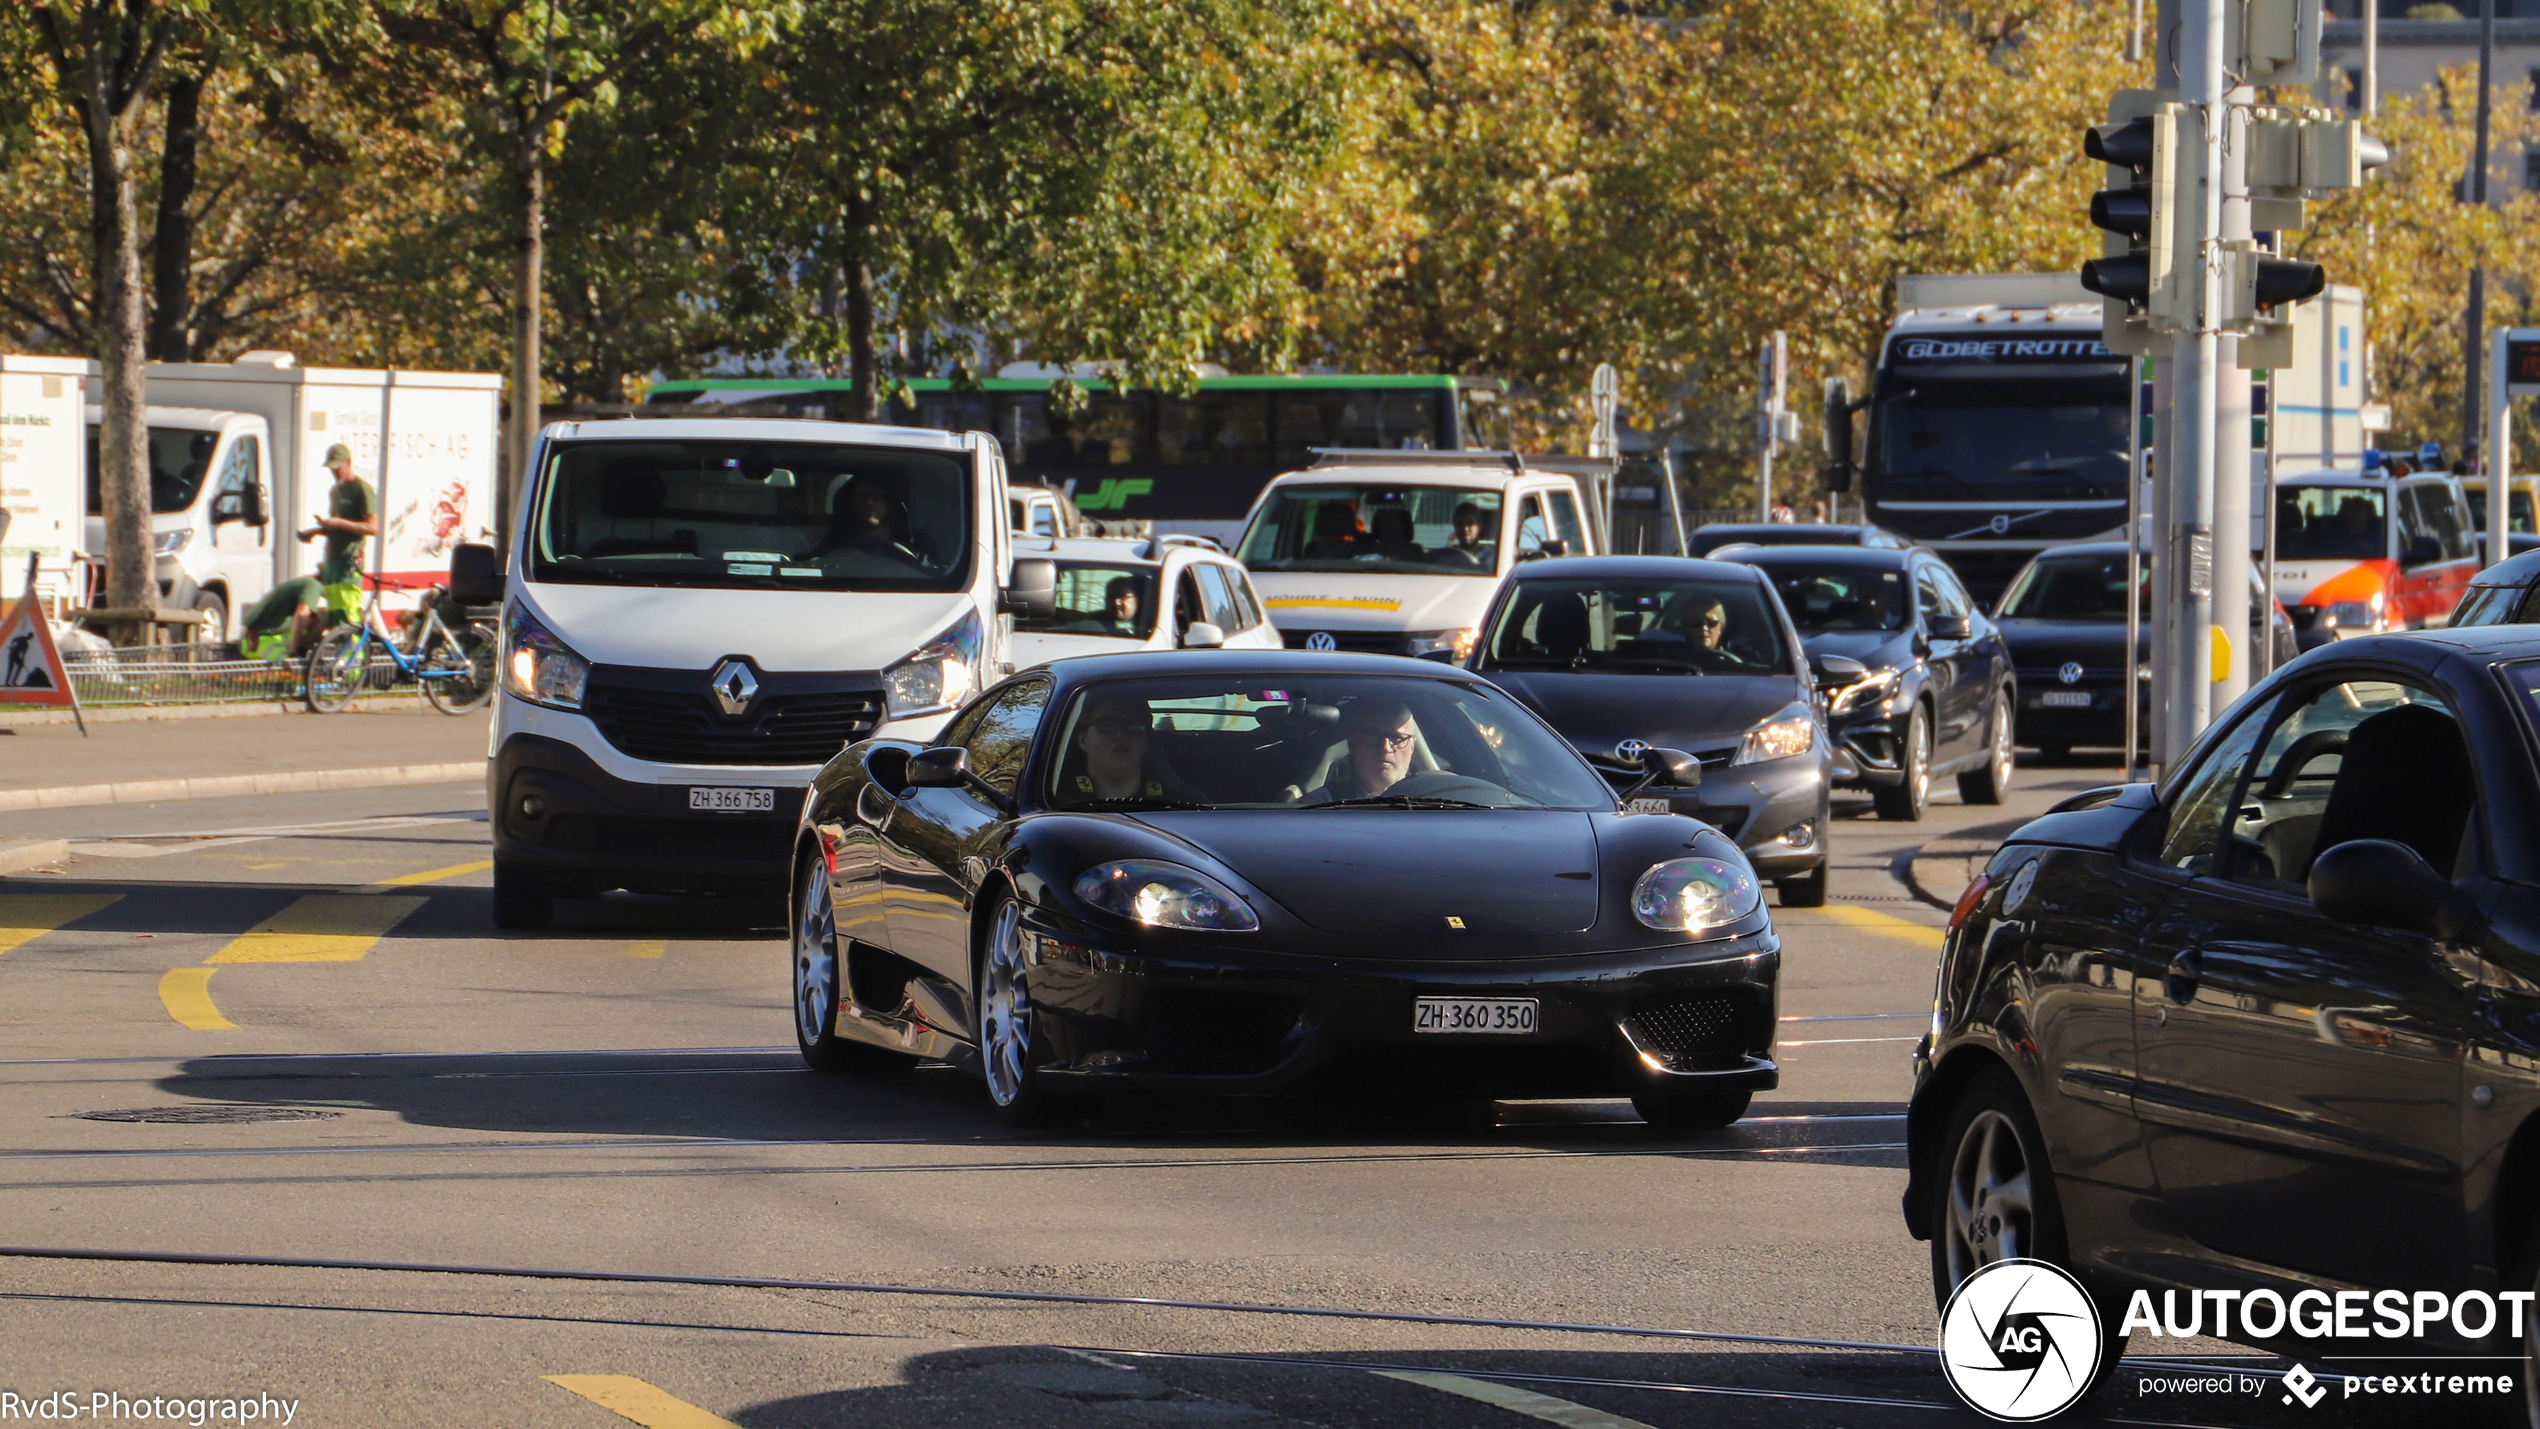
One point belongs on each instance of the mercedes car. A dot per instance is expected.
(1240, 872)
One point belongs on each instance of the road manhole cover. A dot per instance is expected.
(207, 1115)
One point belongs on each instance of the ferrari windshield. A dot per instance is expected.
(1687, 627)
(1288, 741)
(791, 515)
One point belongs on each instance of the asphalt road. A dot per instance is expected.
(285, 1028)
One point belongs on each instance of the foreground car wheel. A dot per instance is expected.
(1009, 1049)
(1691, 1110)
(1988, 784)
(522, 900)
(818, 978)
(1909, 796)
(1996, 1199)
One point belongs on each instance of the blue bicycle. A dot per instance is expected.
(455, 668)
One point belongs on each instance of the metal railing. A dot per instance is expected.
(153, 675)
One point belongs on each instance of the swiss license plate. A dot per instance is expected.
(2064, 699)
(1504, 1015)
(733, 801)
(1649, 806)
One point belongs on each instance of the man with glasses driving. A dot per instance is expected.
(1382, 737)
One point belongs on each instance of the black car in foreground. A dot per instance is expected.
(2270, 1029)
(2064, 620)
(1623, 653)
(1273, 872)
(2507, 593)
(1936, 694)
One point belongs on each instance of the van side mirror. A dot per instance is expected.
(2382, 884)
(1555, 546)
(1033, 590)
(476, 575)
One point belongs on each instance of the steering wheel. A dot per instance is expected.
(2305, 750)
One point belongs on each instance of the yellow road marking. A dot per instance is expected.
(1517, 1401)
(648, 947)
(1870, 920)
(631, 1398)
(26, 916)
(187, 995)
(435, 875)
(320, 928)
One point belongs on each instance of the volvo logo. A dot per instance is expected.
(735, 685)
(1631, 750)
(1321, 640)
(2001, 524)
(2071, 673)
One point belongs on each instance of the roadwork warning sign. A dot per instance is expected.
(31, 670)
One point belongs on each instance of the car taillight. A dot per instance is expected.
(1968, 900)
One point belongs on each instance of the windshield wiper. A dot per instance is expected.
(1401, 801)
(1139, 801)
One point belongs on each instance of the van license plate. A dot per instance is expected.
(1506, 1015)
(733, 801)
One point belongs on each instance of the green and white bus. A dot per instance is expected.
(1187, 464)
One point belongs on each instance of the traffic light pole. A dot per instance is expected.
(2183, 685)
(2232, 657)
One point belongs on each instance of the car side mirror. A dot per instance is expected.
(1200, 635)
(1836, 669)
(1950, 627)
(1555, 546)
(251, 505)
(2423, 551)
(2382, 884)
(476, 575)
(1033, 591)
(1672, 767)
(943, 767)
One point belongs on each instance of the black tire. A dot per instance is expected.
(335, 670)
(1988, 782)
(1904, 801)
(1992, 1141)
(523, 901)
(1808, 891)
(1704, 1110)
(820, 980)
(471, 652)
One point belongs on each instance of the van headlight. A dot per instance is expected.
(1695, 895)
(1165, 895)
(169, 543)
(1459, 643)
(2354, 614)
(1793, 731)
(537, 666)
(941, 674)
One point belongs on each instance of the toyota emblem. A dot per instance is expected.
(1321, 640)
(1631, 750)
(2071, 673)
(735, 685)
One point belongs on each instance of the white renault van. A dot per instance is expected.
(1397, 553)
(700, 613)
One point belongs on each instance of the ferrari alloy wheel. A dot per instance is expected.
(1008, 1053)
(815, 962)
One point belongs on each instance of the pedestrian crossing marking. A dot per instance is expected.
(28, 916)
(1517, 1401)
(630, 1398)
(320, 928)
(187, 995)
(435, 875)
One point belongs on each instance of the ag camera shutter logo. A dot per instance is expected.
(2020, 1341)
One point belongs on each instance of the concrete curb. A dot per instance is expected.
(19, 855)
(1940, 870)
(18, 719)
(234, 786)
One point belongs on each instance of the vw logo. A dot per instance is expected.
(2020, 1340)
(2071, 673)
(1321, 640)
(735, 685)
(1631, 750)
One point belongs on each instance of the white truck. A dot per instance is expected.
(41, 471)
(701, 612)
(237, 464)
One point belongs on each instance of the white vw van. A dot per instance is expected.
(1397, 553)
(701, 612)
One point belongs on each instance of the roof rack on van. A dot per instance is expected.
(1414, 456)
(1156, 545)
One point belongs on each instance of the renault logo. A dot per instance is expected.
(1631, 750)
(2071, 673)
(1321, 640)
(734, 687)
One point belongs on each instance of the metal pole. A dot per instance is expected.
(2474, 346)
(2186, 695)
(2133, 49)
(2126, 682)
(2262, 659)
(2500, 452)
(1675, 502)
(2372, 58)
(2233, 416)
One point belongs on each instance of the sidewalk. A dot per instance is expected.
(142, 761)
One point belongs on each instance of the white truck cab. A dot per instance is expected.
(210, 523)
(699, 613)
(1114, 597)
(1398, 552)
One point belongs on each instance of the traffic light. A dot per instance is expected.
(2295, 155)
(2137, 210)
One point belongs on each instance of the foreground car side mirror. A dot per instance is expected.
(947, 766)
(1033, 591)
(2383, 884)
(1836, 669)
(1671, 767)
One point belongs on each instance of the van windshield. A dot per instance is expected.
(810, 515)
(2330, 523)
(1406, 530)
(179, 458)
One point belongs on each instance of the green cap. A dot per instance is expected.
(336, 453)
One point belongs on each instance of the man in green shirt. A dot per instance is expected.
(287, 621)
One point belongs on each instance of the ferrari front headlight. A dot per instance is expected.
(1165, 895)
(1695, 895)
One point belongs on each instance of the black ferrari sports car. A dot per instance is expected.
(1271, 873)
(2266, 1031)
